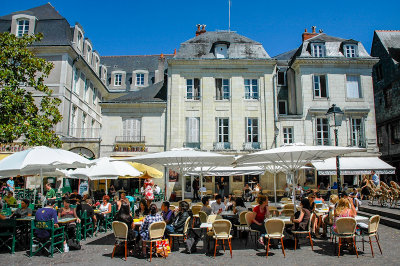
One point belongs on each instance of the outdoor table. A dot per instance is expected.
(13, 209)
(204, 227)
(66, 220)
(138, 223)
(24, 233)
(360, 218)
(227, 213)
(97, 211)
(283, 218)
(26, 219)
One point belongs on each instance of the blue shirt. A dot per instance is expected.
(10, 184)
(168, 216)
(375, 179)
(44, 215)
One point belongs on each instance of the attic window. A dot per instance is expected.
(221, 50)
(318, 49)
(350, 50)
(23, 27)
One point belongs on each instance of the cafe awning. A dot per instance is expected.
(4, 155)
(230, 171)
(354, 166)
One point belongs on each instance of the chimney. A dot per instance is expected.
(307, 35)
(159, 73)
(175, 51)
(203, 30)
(198, 30)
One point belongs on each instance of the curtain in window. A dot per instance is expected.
(352, 87)
(193, 130)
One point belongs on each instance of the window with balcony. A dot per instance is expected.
(131, 130)
(353, 87)
(350, 50)
(288, 135)
(192, 132)
(322, 131)
(251, 89)
(193, 89)
(222, 134)
(357, 132)
(139, 79)
(118, 80)
(252, 134)
(318, 49)
(22, 27)
(320, 86)
(223, 91)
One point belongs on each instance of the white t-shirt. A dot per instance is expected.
(215, 207)
(157, 190)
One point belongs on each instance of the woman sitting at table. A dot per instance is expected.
(327, 219)
(229, 201)
(260, 212)
(178, 224)
(148, 220)
(344, 209)
(70, 228)
(123, 200)
(104, 208)
(238, 208)
(124, 215)
(301, 218)
(143, 210)
(23, 211)
(206, 208)
(247, 192)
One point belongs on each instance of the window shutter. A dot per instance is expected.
(192, 129)
(322, 80)
(136, 128)
(197, 87)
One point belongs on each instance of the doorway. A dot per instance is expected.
(223, 181)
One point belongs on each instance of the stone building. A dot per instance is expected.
(386, 74)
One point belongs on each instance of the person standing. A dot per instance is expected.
(10, 184)
(221, 186)
(51, 194)
(148, 191)
(195, 186)
(375, 178)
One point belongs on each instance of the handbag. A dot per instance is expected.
(162, 245)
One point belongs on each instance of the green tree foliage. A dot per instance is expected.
(27, 108)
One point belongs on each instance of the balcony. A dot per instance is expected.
(85, 133)
(129, 139)
(192, 145)
(220, 146)
(251, 146)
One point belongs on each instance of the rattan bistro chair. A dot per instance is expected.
(120, 231)
(274, 228)
(249, 217)
(306, 232)
(222, 231)
(156, 233)
(289, 206)
(203, 217)
(242, 226)
(195, 210)
(372, 230)
(172, 237)
(346, 228)
(287, 212)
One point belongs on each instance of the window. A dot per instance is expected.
(75, 85)
(281, 78)
(83, 125)
(357, 132)
(73, 125)
(223, 130)
(193, 132)
(223, 90)
(89, 56)
(322, 131)
(252, 130)
(221, 51)
(282, 107)
(22, 27)
(353, 86)
(288, 135)
(318, 50)
(131, 129)
(117, 79)
(193, 89)
(379, 136)
(94, 94)
(320, 90)
(92, 129)
(139, 79)
(251, 88)
(387, 96)
(350, 50)
(85, 91)
(80, 37)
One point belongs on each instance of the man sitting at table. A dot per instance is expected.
(24, 210)
(166, 213)
(205, 208)
(75, 195)
(218, 206)
(86, 206)
(45, 214)
(9, 199)
(178, 224)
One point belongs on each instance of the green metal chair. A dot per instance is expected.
(86, 225)
(6, 211)
(56, 238)
(8, 234)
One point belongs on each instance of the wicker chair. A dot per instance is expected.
(178, 236)
(203, 217)
(289, 206)
(287, 212)
(306, 232)
(274, 228)
(249, 218)
(372, 230)
(273, 210)
(195, 210)
(120, 231)
(242, 226)
(222, 231)
(346, 228)
(156, 233)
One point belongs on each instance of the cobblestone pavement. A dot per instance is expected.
(97, 251)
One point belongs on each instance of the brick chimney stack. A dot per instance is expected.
(198, 29)
(203, 30)
(307, 35)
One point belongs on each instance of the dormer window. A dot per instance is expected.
(118, 80)
(318, 49)
(350, 50)
(139, 79)
(89, 57)
(23, 27)
(221, 49)
(80, 37)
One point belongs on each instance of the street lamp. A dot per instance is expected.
(335, 116)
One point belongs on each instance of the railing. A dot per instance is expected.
(130, 139)
(193, 98)
(249, 146)
(85, 133)
(193, 145)
(129, 148)
(219, 146)
(222, 97)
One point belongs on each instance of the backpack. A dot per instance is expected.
(73, 244)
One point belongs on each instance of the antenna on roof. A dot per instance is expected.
(229, 25)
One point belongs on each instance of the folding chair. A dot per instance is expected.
(56, 238)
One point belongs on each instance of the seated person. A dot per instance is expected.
(301, 218)
(23, 211)
(167, 214)
(157, 190)
(105, 208)
(9, 199)
(327, 219)
(143, 210)
(124, 215)
(318, 198)
(322, 185)
(344, 209)
(206, 208)
(151, 218)
(70, 228)
(218, 206)
(75, 195)
(45, 214)
(238, 207)
(260, 212)
(229, 201)
(123, 200)
(86, 206)
(247, 192)
(178, 224)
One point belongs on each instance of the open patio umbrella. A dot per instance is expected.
(292, 157)
(184, 160)
(40, 159)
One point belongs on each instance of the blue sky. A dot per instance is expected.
(153, 27)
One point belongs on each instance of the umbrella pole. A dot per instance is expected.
(275, 187)
(41, 181)
(183, 186)
(106, 188)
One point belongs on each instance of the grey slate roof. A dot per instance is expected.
(55, 28)
(154, 93)
(240, 47)
(286, 55)
(391, 41)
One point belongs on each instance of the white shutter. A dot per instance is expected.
(192, 129)
(352, 87)
(136, 125)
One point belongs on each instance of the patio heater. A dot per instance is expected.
(335, 116)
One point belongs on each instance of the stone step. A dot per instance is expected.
(395, 223)
(382, 211)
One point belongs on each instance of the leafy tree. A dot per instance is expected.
(22, 76)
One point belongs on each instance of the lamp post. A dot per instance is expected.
(335, 116)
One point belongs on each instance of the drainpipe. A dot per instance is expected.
(70, 95)
(275, 107)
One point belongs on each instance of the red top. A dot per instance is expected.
(260, 214)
